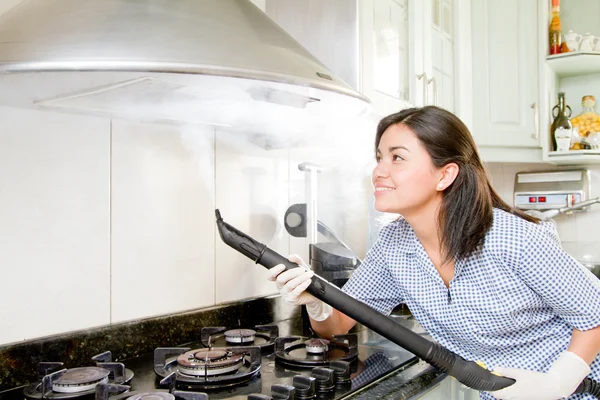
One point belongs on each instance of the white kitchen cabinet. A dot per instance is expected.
(458, 391)
(435, 393)
(398, 53)
(408, 52)
(388, 55)
(506, 77)
(449, 389)
(439, 20)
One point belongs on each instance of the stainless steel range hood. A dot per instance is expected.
(221, 62)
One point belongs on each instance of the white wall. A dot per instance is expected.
(107, 221)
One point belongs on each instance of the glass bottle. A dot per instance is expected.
(561, 128)
(587, 122)
(555, 28)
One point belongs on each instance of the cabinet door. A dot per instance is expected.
(449, 389)
(460, 391)
(441, 391)
(385, 28)
(505, 73)
(439, 23)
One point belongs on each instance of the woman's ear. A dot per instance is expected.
(448, 174)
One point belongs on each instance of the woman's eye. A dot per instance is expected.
(396, 157)
(377, 158)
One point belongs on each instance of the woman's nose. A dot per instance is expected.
(380, 170)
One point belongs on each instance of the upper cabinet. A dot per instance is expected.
(440, 49)
(387, 58)
(399, 53)
(408, 52)
(506, 79)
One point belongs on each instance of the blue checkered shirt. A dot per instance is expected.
(513, 304)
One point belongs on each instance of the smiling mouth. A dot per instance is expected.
(383, 189)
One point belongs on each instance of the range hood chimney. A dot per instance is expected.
(220, 62)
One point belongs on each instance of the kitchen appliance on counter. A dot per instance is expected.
(308, 367)
(546, 194)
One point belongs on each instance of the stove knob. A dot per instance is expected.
(305, 387)
(283, 392)
(324, 379)
(341, 371)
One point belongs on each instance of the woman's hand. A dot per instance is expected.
(292, 285)
(559, 382)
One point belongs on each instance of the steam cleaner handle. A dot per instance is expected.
(467, 372)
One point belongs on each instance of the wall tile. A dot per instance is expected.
(162, 197)
(252, 195)
(54, 236)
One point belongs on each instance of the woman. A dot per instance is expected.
(485, 280)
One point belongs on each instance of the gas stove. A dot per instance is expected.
(253, 363)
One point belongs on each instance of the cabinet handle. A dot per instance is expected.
(425, 85)
(536, 121)
(435, 97)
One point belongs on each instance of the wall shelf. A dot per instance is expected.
(574, 63)
(574, 157)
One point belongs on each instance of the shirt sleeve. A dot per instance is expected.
(372, 283)
(568, 287)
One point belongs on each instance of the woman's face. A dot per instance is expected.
(405, 178)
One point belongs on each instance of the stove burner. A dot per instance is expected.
(240, 335)
(208, 368)
(58, 383)
(205, 362)
(295, 351)
(316, 346)
(262, 335)
(77, 380)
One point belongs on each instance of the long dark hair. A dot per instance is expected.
(466, 214)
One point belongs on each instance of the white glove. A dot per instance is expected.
(292, 285)
(567, 372)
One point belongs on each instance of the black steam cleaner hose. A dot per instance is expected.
(468, 373)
